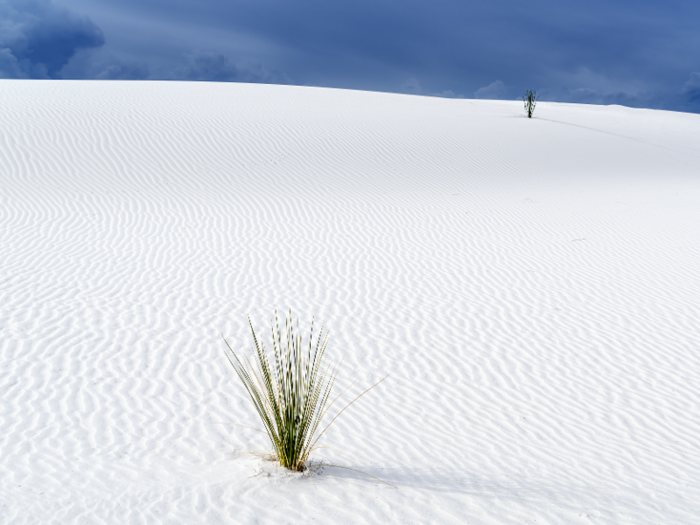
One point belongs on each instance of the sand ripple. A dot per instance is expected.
(531, 285)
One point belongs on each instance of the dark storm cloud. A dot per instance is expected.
(38, 38)
(214, 67)
(691, 93)
(120, 71)
(640, 53)
(211, 67)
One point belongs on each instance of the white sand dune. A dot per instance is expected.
(531, 285)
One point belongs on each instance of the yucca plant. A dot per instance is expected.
(530, 100)
(289, 392)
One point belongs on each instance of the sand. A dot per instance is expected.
(531, 285)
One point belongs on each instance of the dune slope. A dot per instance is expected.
(531, 285)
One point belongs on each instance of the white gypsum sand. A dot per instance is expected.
(530, 284)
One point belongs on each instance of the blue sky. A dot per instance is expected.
(636, 53)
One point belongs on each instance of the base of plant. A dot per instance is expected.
(274, 469)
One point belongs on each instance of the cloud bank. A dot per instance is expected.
(38, 38)
(638, 53)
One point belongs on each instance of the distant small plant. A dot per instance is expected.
(290, 393)
(530, 99)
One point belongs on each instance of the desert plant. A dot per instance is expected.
(291, 392)
(530, 99)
